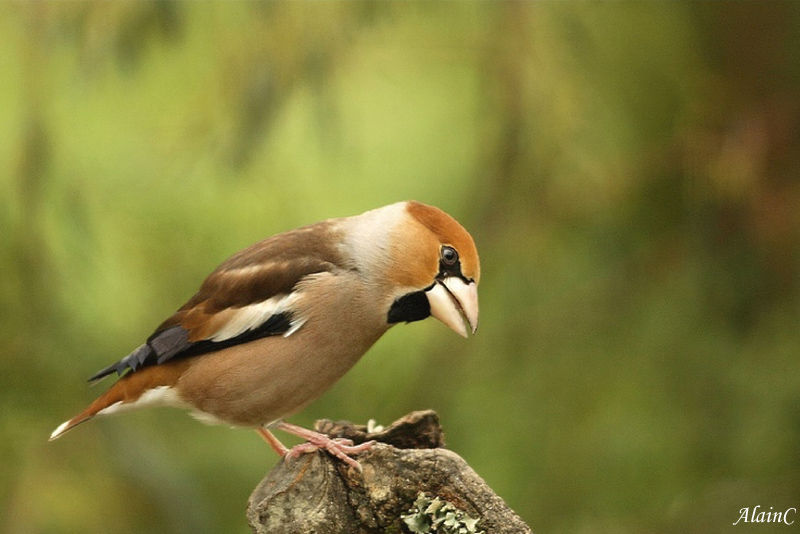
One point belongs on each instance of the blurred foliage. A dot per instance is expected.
(629, 172)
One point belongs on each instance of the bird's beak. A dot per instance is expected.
(455, 303)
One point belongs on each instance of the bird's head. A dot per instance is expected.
(428, 262)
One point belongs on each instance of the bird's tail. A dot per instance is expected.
(106, 400)
(70, 424)
(146, 387)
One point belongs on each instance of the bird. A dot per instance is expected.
(278, 323)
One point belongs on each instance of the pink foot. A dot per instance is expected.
(338, 447)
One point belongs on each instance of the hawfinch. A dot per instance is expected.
(278, 323)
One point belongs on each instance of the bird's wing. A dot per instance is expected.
(249, 296)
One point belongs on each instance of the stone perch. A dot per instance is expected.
(409, 483)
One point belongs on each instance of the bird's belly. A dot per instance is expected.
(270, 378)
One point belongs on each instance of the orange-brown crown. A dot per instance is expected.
(416, 260)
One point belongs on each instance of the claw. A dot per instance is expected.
(341, 448)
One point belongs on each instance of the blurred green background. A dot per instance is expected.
(629, 172)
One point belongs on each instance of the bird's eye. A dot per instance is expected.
(449, 256)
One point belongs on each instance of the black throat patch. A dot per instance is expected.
(408, 308)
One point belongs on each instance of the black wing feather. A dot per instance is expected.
(173, 342)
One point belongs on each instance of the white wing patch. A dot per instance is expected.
(254, 315)
(294, 327)
(254, 269)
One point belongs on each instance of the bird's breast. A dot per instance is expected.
(269, 378)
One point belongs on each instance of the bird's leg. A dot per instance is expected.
(274, 442)
(338, 447)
